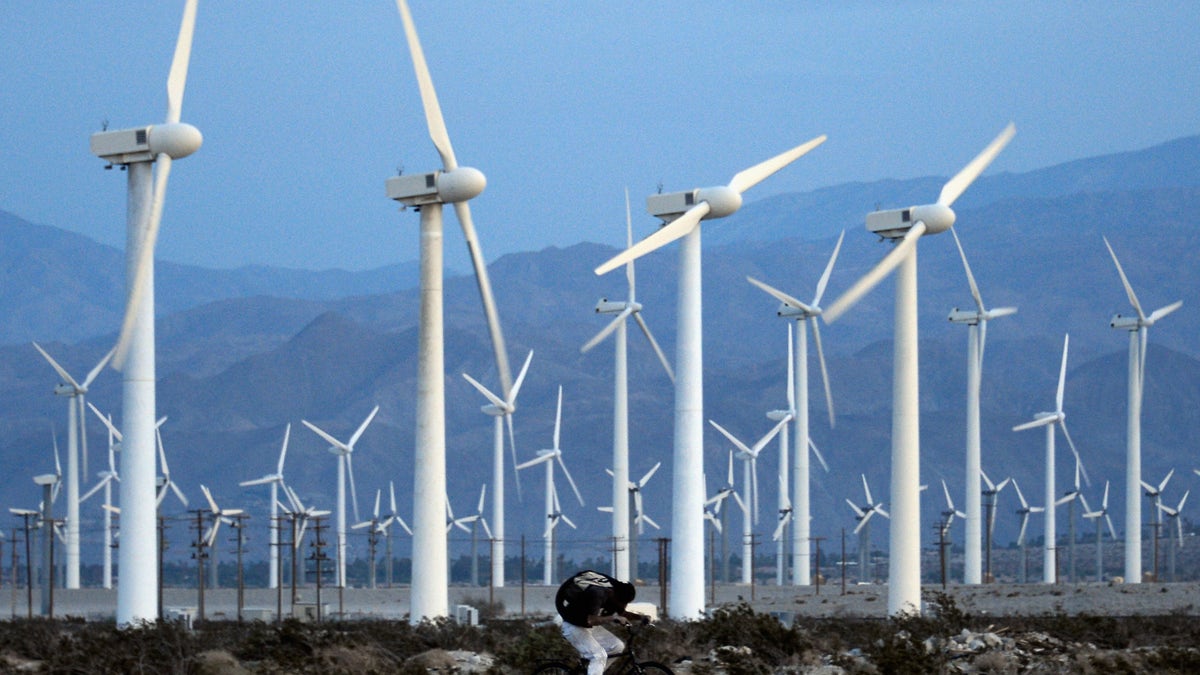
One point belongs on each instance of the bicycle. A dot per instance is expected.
(625, 662)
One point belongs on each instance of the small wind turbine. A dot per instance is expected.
(1173, 515)
(1069, 499)
(749, 455)
(219, 515)
(682, 213)
(166, 483)
(76, 437)
(274, 480)
(114, 437)
(1099, 515)
(553, 510)
(1153, 492)
(905, 227)
(501, 409)
(303, 513)
(1050, 420)
(1139, 330)
(640, 519)
(990, 495)
(345, 455)
(801, 313)
(139, 149)
(863, 529)
(428, 192)
(977, 322)
(1024, 512)
(951, 511)
(617, 327)
(393, 517)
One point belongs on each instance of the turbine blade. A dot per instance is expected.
(748, 178)
(668, 233)
(516, 388)
(1080, 468)
(178, 493)
(362, 427)
(820, 457)
(287, 434)
(179, 64)
(558, 420)
(433, 111)
(494, 399)
(642, 483)
(479, 263)
(1154, 316)
(828, 270)
(87, 381)
(1133, 300)
(607, 330)
(970, 277)
(208, 495)
(662, 357)
(963, 179)
(781, 296)
(1039, 422)
(871, 279)
(328, 439)
(1062, 376)
(57, 368)
(824, 371)
(512, 444)
(349, 459)
(732, 439)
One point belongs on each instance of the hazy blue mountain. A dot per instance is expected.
(233, 372)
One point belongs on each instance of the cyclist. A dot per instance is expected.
(586, 602)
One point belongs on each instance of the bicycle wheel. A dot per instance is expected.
(556, 668)
(651, 668)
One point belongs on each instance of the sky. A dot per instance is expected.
(307, 108)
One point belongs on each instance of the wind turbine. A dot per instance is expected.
(1173, 514)
(1024, 512)
(976, 321)
(479, 520)
(1139, 330)
(114, 437)
(951, 511)
(1069, 499)
(274, 480)
(428, 192)
(617, 327)
(345, 455)
(640, 519)
(991, 493)
(1049, 420)
(906, 226)
(501, 409)
(863, 529)
(1097, 515)
(682, 212)
(801, 313)
(394, 517)
(139, 149)
(304, 513)
(76, 436)
(749, 455)
(166, 483)
(219, 515)
(1154, 492)
(553, 511)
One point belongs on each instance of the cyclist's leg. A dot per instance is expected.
(583, 640)
(611, 643)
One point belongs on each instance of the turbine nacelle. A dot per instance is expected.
(894, 223)
(438, 187)
(126, 146)
(1130, 323)
(606, 306)
(722, 201)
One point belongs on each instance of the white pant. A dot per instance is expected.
(594, 644)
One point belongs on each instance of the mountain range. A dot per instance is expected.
(244, 352)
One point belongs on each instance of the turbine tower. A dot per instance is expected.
(1101, 517)
(976, 321)
(801, 313)
(427, 192)
(274, 480)
(905, 227)
(76, 437)
(620, 470)
(345, 455)
(1139, 330)
(139, 149)
(501, 410)
(1049, 420)
(682, 212)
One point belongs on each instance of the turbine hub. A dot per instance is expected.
(722, 201)
(937, 217)
(460, 184)
(175, 140)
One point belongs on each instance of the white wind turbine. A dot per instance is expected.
(1172, 513)
(553, 511)
(165, 482)
(638, 515)
(345, 455)
(301, 512)
(501, 409)
(394, 517)
(274, 480)
(682, 212)
(139, 149)
(905, 227)
(951, 511)
(219, 516)
(1024, 512)
(1099, 515)
(801, 313)
(863, 529)
(428, 192)
(1139, 329)
(1154, 492)
(617, 327)
(991, 493)
(114, 438)
(976, 321)
(76, 437)
(1049, 420)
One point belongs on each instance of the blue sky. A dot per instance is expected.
(308, 107)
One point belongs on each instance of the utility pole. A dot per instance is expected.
(162, 553)
(318, 556)
(239, 522)
(47, 482)
(817, 562)
(26, 515)
(663, 559)
(200, 554)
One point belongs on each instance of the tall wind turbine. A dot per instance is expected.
(905, 227)
(76, 436)
(682, 212)
(139, 149)
(976, 321)
(801, 312)
(617, 327)
(1050, 420)
(345, 455)
(1139, 331)
(274, 480)
(553, 511)
(427, 192)
(501, 409)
